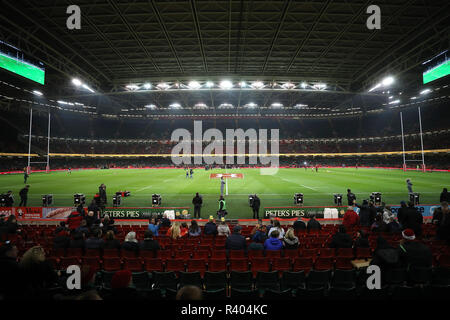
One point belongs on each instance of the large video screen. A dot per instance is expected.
(437, 68)
(22, 68)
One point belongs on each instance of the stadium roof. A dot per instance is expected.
(123, 43)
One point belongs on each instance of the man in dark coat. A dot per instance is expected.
(11, 284)
(414, 253)
(24, 196)
(365, 219)
(197, 202)
(256, 203)
(313, 224)
(102, 194)
(149, 244)
(445, 196)
(413, 220)
(210, 227)
(351, 198)
(236, 241)
(299, 225)
(441, 218)
(341, 239)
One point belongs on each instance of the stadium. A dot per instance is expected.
(151, 122)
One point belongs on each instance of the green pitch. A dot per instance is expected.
(277, 190)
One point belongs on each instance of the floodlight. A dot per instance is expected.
(132, 87)
(258, 85)
(150, 106)
(413, 98)
(304, 85)
(163, 86)
(277, 105)
(37, 93)
(394, 102)
(388, 81)
(251, 105)
(175, 106)
(147, 86)
(226, 85)
(87, 88)
(288, 85)
(210, 84)
(320, 86)
(242, 84)
(194, 85)
(426, 91)
(76, 82)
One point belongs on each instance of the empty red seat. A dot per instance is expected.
(291, 254)
(93, 262)
(65, 262)
(194, 265)
(182, 254)
(327, 252)
(302, 264)
(281, 264)
(147, 254)
(92, 253)
(323, 263)
(112, 264)
(217, 265)
(237, 254)
(345, 253)
(255, 254)
(240, 265)
(175, 265)
(164, 254)
(200, 254)
(154, 264)
(258, 264)
(74, 252)
(133, 264)
(272, 254)
(218, 254)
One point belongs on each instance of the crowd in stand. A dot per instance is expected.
(31, 274)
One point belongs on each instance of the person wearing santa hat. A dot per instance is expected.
(121, 287)
(414, 253)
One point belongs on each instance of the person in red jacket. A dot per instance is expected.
(74, 220)
(351, 218)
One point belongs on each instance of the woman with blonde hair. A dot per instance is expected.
(174, 231)
(290, 240)
(38, 272)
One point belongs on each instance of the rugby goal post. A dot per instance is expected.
(47, 162)
(421, 143)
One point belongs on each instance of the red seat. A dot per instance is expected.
(444, 261)
(112, 264)
(175, 265)
(363, 253)
(217, 265)
(323, 263)
(74, 252)
(310, 253)
(240, 265)
(344, 263)
(237, 254)
(164, 254)
(272, 254)
(129, 254)
(281, 264)
(291, 254)
(204, 247)
(92, 253)
(218, 254)
(182, 254)
(255, 254)
(93, 262)
(111, 253)
(153, 264)
(201, 254)
(327, 252)
(258, 264)
(65, 262)
(133, 264)
(194, 265)
(57, 253)
(345, 253)
(147, 254)
(303, 264)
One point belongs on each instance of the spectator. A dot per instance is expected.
(74, 220)
(413, 220)
(351, 198)
(174, 231)
(341, 239)
(149, 244)
(366, 214)
(24, 196)
(413, 253)
(110, 241)
(402, 213)
(378, 225)
(439, 214)
(83, 228)
(108, 224)
(12, 227)
(236, 241)
(91, 220)
(94, 208)
(95, 241)
(351, 218)
(223, 229)
(273, 243)
(210, 227)
(184, 230)
(61, 227)
(165, 222)
(290, 240)
(385, 256)
(77, 241)
(277, 227)
(445, 196)
(362, 240)
(441, 217)
(387, 215)
(194, 229)
(121, 289)
(299, 225)
(62, 240)
(313, 224)
(154, 227)
(38, 273)
(11, 285)
(130, 243)
(260, 235)
(189, 293)
(393, 226)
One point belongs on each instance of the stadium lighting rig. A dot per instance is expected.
(426, 91)
(37, 93)
(77, 83)
(386, 82)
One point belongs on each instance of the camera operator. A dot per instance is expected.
(350, 197)
(102, 194)
(256, 203)
(197, 202)
(24, 196)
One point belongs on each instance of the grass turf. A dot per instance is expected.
(277, 190)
